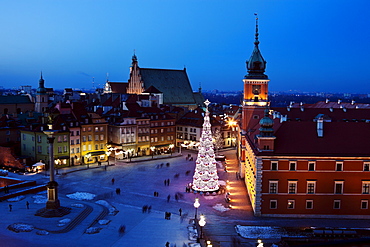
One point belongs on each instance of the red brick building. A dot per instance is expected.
(303, 161)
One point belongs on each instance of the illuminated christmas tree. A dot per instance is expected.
(205, 176)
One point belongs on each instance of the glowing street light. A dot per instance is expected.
(202, 222)
(152, 149)
(196, 206)
(171, 147)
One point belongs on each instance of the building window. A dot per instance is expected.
(338, 187)
(336, 204)
(274, 166)
(292, 187)
(101, 146)
(39, 149)
(309, 204)
(96, 146)
(65, 138)
(77, 141)
(292, 166)
(311, 166)
(72, 150)
(364, 204)
(365, 187)
(339, 166)
(96, 129)
(311, 187)
(83, 138)
(77, 150)
(59, 149)
(39, 138)
(89, 138)
(83, 147)
(273, 187)
(72, 142)
(291, 204)
(273, 204)
(65, 149)
(89, 147)
(366, 167)
(96, 137)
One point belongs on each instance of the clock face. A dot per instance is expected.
(256, 89)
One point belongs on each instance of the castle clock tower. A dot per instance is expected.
(255, 88)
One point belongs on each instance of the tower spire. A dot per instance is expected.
(256, 42)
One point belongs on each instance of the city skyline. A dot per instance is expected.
(308, 46)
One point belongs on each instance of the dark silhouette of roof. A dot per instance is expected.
(174, 84)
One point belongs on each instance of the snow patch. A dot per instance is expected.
(261, 232)
(20, 227)
(16, 199)
(93, 230)
(221, 207)
(39, 199)
(42, 232)
(77, 205)
(104, 222)
(81, 196)
(112, 209)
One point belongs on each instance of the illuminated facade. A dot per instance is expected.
(306, 161)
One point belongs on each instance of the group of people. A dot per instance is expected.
(167, 215)
(146, 208)
(166, 182)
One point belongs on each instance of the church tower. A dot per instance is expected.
(255, 87)
(135, 84)
(42, 98)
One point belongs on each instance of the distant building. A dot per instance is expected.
(163, 86)
(303, 161)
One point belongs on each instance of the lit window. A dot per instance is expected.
(364, 204)
(273, 187)
(309, 204)
(291, 204)
(336, 204)
(292, 187)
(338, 187)
(365, 187)
(274, 166)
(273, 204)
(339, 166)
(311, 187)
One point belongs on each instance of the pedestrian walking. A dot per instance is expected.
(149, 209)
(27, 205)
(180, 211)
(176, 198)
(167, 244)
(118, 191)
(121, 230)
(168, 198)
(10, 207)
(168, 182)
(112, 181)
(165, 182)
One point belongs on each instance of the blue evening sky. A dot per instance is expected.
(309, 45)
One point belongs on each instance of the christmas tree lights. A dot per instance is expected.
(205, 177)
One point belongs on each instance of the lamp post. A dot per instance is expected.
(152, 149)
(202, 222)
(108, 154)
(196, 206)
(171, 147)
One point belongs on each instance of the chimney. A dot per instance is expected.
(320, 127)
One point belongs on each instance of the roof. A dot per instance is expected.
(340, 139)
(195, 118)
(174, 84)
(15, 99)
(118, 87)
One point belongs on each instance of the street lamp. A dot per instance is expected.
(108, 154)
(202, 222)
(152, 149)
(196, 206)
(171, 147)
